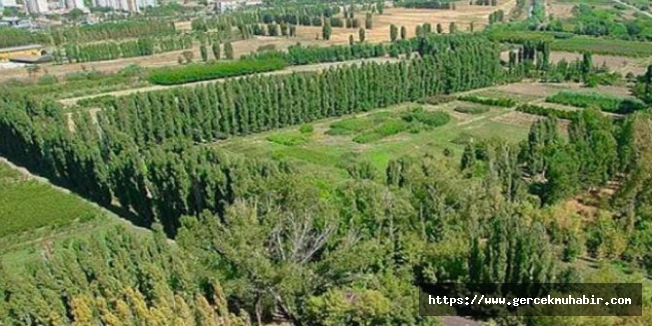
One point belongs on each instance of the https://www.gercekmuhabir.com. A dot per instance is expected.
(515, 302)
(545, 299)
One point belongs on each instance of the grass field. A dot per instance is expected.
(333, 143)
(27, 205)
(38, 217)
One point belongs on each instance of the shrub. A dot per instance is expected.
(353, 124)
(504, 102)
(472, 109)
(306, 129)
(288, 139)
(199, 72)
(388, 128)
(429, 118)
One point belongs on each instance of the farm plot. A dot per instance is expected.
(381, 135)
(463, 17)
(27, 205)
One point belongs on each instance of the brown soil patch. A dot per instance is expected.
(560, 10)
(517, 118)
(614, 63)
(531, 88)
(463, 16)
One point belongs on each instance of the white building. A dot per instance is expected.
(126, 5)
(74, 4)
(36, 7)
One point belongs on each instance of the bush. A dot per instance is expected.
(199, 72)
(429, 118)
(288, 139)
(353, 124)
(306, 129)
(472, 109)
(504, 102)
(388, 128)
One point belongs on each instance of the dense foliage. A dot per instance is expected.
(547, 111)
(603, 102)
(199, 72)
(116, 278)
(504, 102)
(272, 240)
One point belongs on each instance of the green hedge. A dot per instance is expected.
(199, 72)
(504, 102)
(547, 111)
(472, 109)
(605, 103)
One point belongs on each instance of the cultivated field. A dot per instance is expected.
(463, 16)
(329, 152)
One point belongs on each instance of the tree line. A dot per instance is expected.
(282, 244)
(125, 49)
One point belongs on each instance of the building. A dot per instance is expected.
(73, 4)
(16, 51)
(126, 5)
(222, 6)
(36, 7)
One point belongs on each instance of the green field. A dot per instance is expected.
(603, 46)
(27, 205)
(35, 215)
(335, 142)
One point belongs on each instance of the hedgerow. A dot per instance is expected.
(547, 111)
(472, 109)
(605, 103)
(199, 72)
(504, 102)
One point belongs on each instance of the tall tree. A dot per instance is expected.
(393, 33)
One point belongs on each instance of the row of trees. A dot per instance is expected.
(113, 30)
(125, 49)
(283, 245)
(217, 110)
(17, 37)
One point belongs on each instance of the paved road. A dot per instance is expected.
(633, 7)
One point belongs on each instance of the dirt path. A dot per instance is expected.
(288, 70)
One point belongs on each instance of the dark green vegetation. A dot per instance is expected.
(377, 126)
(602, 102)
(547, 111)
(280, 240)
(504, 102)
(472, 109)
(199, 72)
